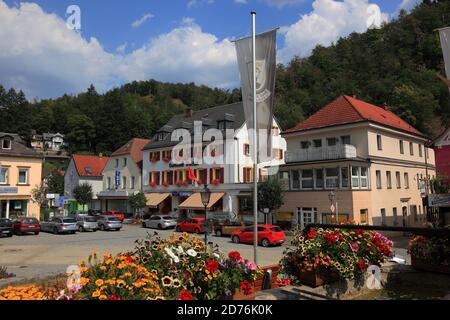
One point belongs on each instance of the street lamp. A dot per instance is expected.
(205, 194)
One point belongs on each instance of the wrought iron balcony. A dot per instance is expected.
(339, 151)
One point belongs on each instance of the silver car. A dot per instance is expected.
(58, 225)
(87, 223)
(109, 223)
(160, 222)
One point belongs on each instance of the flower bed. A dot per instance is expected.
(180, 268)
(430, 254)
(320, 256)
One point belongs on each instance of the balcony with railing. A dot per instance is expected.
(339, 151)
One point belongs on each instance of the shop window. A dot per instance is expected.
(363, 216)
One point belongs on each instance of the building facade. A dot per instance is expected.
(225, 166)
(84, 169)
(355, 161)
(122, 176)
(20, 172)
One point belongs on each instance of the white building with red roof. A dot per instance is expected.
(84, 169)
(373, 162)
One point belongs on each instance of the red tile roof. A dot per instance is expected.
(132, 148)
(90, 166)
(346, 110)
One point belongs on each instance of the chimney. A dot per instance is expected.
(100, 155)
(188, 113)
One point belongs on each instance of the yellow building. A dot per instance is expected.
(20, 172)
(355, 161)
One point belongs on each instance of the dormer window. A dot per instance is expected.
(6, 144)
(160, 136)
(88, 170)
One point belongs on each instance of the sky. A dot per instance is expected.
(47, 50)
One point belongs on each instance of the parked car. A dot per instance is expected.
(77, 214)
(160, 222)
(267, 235)
(94, 212)
(6, 227)
(109, 223)
(59, 225)
(191, 225)
(87, 223)
(26, 225)
(114, 213)
(228, 227)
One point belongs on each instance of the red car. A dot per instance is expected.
(26, 225)
(267, 235)
(114, 213)
(191, 225)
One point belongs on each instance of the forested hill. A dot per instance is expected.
(396, 64)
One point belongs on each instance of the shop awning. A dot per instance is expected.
(194, 202)
(154, 199)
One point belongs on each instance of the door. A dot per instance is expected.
(405, 216)
(262, 233)
(306, 216)
(247, 235)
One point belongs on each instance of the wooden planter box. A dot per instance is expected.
(259, 282)
(317, 278)
(428, 266)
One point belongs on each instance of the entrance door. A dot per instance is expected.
(405, 216)
(306, 216)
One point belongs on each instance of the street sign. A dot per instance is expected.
(332, 208)
(61, 202)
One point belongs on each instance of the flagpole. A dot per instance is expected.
(255, 146)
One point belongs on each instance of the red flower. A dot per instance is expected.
(114, 297)
(362, 266)
(185, 295)
(129, 259)
(235, 255)
(330, 238)
(246, 287)
(312, 234)
(359, 232)
(212, 266)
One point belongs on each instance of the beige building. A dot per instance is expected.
(20, 172)
(355, 161)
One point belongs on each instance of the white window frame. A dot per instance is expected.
(306, 179)
(26, 176)
(3, 144)
(6, 181)
(357, 177)
(328, 178)
(364, 178)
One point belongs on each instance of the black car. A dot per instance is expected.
(6, 227)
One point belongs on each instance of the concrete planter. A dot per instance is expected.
(259, 282)
(428, 266)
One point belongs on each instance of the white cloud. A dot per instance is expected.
(41, 56)
(328, 21)
(240, 1)
(408, 4)
(195, 3)
(282, 3)
(142, 20)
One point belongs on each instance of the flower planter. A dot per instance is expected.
(240, 296)
(425, 265)
(317, 278)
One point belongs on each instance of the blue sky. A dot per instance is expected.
(185, 41)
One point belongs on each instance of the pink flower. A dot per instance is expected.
(252, 266)
(355, 247)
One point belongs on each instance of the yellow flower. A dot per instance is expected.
(127, 274)
(84, 281)
(103, 268)
(96, 293)
(99, 282)
(111, 282)
(103, 297)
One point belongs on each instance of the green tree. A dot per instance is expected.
(270, 195)
(55, 183)
(83, 193)
(39, 195)
(137, 202)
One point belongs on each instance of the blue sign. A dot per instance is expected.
(9, 190)
(117, 178)
(60, 202)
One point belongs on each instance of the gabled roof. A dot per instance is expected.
(132, 148)
(233, 113)
(19, 147)
(347, 110)
(89, 166)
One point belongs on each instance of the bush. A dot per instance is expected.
(435, 250)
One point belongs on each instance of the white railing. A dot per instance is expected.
(340, 151)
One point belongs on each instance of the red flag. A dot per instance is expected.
(191, 174)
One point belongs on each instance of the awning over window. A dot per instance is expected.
(154, 199)
(194, 202)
